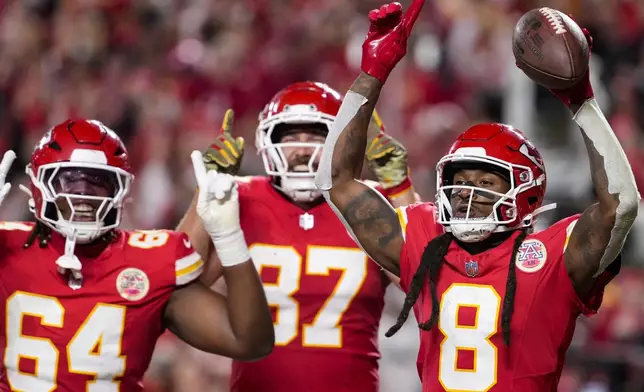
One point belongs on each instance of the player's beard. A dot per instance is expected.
(301, 165)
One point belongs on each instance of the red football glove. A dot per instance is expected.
(583, 90)
(386, 41)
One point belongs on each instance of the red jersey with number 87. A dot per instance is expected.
(325, 294)
(466, 351)
(96, 338)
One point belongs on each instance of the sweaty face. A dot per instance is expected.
(298, 156)
(482, 202)
(83, 182)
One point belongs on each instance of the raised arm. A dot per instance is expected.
(368, 215)
(238, 325)
(598, 236)
(224, 155)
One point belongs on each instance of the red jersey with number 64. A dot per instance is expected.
(326, 297)
(98, 337)
(466, 351)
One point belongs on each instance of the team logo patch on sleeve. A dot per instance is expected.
(132, 284)
(532, 256)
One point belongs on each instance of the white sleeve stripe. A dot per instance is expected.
(187, 261)
(189, 276)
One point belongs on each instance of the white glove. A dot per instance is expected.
(5, 165)
(218, 208)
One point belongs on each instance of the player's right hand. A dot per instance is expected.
(386, 41)
(225, 154)
(218, 199)
(5, 166)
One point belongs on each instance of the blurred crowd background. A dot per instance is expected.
(161, 73)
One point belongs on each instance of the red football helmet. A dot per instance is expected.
(80, 150)
(497, 148)
(299, 103)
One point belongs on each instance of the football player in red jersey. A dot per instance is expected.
(83, 302)
(497, 302)
(326, 296)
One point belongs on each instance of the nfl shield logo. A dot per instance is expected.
(471, 268)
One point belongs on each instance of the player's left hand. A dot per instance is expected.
(225, 154)
(386, 41)
(582, 91)
(386, 156)
(218, 199)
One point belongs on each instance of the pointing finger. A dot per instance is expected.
(412, 14)
(201, 174)
(227, 123)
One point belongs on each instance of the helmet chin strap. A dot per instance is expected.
(300, 189)
(529, 219)
(471, 231)
(82, 233)
(69, 262)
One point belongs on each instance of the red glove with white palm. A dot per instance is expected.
(386, 41)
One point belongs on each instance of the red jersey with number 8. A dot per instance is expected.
(98, 337)
(325, 294)
(466, 351)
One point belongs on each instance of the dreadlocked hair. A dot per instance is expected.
(511, 289)
(43, 233)
(430, 263)
(40, 231)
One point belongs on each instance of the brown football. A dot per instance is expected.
(550, 48)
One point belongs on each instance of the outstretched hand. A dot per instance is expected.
(218, 200)
(582, 91)
(574, 96)
(225, 153)
(386, 41)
